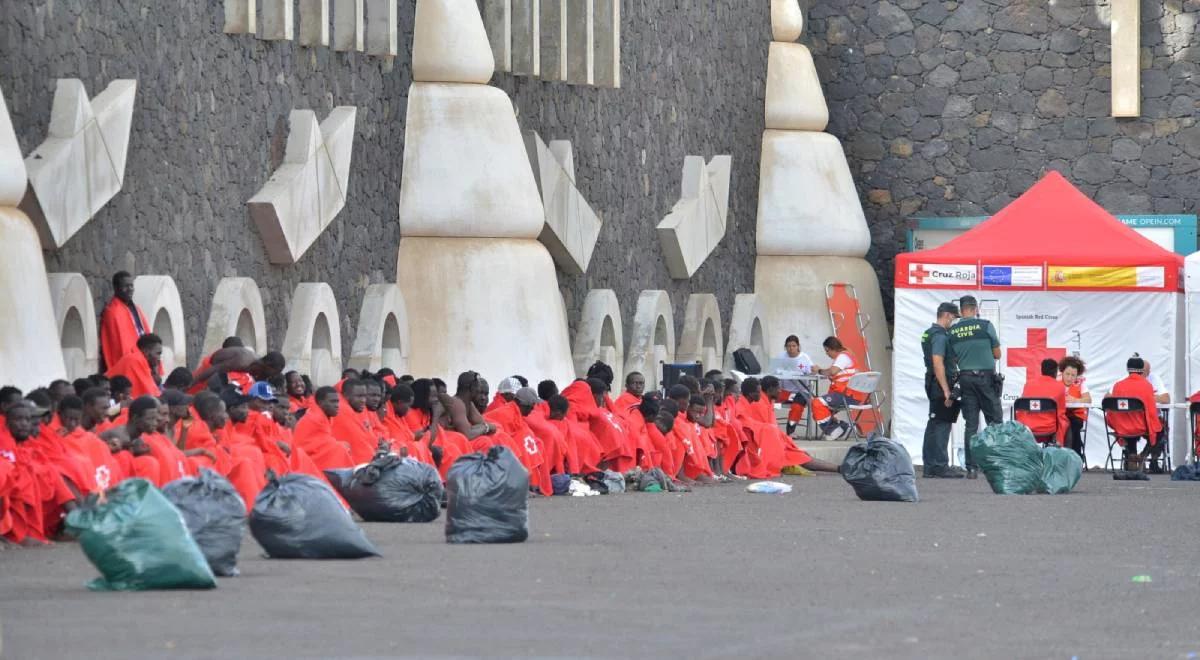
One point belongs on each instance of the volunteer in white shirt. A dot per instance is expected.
(793, 390)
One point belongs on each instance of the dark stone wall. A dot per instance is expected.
(955, 108)
(210, 126)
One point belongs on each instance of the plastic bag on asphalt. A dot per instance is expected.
(488, 499)
(654, 477)
(769, 488)
(138, 541)
(1186, 473)
(880, 470)
(1009, 458)
(391, 489)
(615, 481)
(215, 515)
(298, 516)
(561, 484)
(1061, 470)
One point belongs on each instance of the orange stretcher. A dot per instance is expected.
(849, 326)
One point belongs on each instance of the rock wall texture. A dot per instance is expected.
(210, 126)
(946, 108)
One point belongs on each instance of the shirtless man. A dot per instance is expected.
(241, 359)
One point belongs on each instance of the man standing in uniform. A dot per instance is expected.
(976, 347)
(943, 409)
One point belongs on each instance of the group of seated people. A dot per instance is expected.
(1063, 383)
(242, 416)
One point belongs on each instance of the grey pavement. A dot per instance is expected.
(718, 573)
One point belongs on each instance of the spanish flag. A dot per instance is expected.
(1105, 277)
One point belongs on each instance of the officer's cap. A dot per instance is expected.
(968, 301)
(948, 308)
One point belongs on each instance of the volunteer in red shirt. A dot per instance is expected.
(1046, 386)
(1071, 370)
(844, 368)
(1131, 426)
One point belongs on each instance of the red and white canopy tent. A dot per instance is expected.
(1057, 275)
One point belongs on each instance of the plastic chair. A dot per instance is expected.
(1115, 405)
(1038, 406)
(867, 384)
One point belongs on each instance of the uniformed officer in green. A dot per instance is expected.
(943, 408)
(976, 347)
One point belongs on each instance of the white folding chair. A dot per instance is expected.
(867, 384)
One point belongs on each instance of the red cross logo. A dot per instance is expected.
(917, 273)
(1034, 352)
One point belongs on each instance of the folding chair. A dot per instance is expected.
(867, 384)
(1114, 405)
(1037, 407)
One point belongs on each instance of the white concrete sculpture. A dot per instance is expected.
(158, 297)
(652, 337)
(348, 25)
(702, 339)
(81, 165)
(383, 332)
(309, 189)
(466, 172)
(571, 226)
(794, 97)
(75, 313)
(13, 177)
(504, 317)
(314, 22)
(240, 17)
(27, 359)
(237, 311)
(599, 335)
(697, 222)
(450, 44)
(747, 329)
(382, 35)
(787, 22)
(313, 342)
(277, 20)
(807, 202)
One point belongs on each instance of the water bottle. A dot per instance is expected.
(962, 457)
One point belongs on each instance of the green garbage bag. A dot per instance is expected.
(1061, 470)
(138, 541)
(1009, 458)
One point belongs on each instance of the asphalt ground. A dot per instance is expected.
(717, 573)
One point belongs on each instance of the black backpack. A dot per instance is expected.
(745, 362)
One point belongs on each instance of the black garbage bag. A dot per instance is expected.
(391, 489)
(1186, 472)
(1061, 470)
(880, 470)
(215, 515)
(1009, 458)
(298, 516)
(488, 499)
(138, 541)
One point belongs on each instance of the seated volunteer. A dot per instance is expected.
(1134, 425)
(794, 390)
(1071, 370)
(1161, 395)
(844, 368)
(1046, 386)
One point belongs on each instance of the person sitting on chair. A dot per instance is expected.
(1162, 396)
(1071, 370)
(840, 395)
(1131, 426)
(1046, 425)
(795, 391)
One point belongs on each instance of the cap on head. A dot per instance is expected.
(509, 385)
(262, 391)
(947, 308)
(526, 396)
(968, 301)
(176, 398)
(1135, 363)
(37, 409)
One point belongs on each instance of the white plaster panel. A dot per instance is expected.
(697, 222)
(27, 359)
(75, 315)
(807, 203)
(553, 35)
(314, 23)
(600, 335)
(497, 20)
(579, 45)
(237, 311)
(450, 44)
(348, 25)
(313, 342)
(526, 38)
(13, 176)
(702, 339)
(504, 317)
(383, 331)
(158, 298)
(607, 40)
(466, 172)
(309, 189)
(382, 37)
(277, 20)
(747, 329)
(787, 22)
(81, 164)
(652, 337)
(571, 227)
(794, 97)
(240, 17)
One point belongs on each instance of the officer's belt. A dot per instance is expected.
(975, 373)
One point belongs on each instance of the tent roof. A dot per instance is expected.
(1051, 224)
